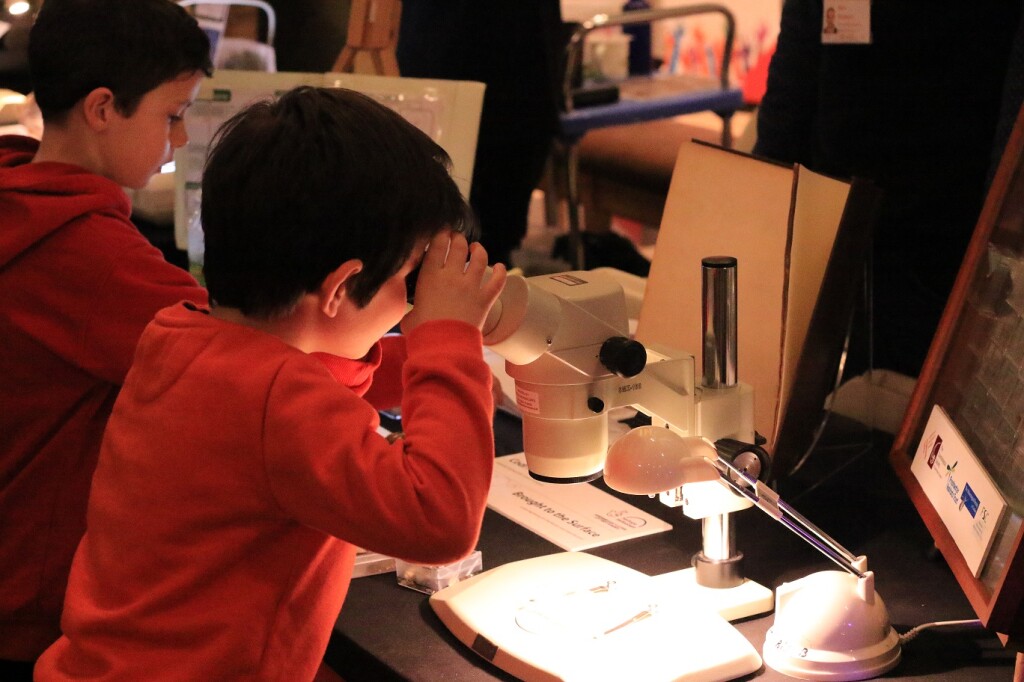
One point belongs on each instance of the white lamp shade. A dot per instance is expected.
(651, 459)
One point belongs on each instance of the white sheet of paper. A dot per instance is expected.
(959, 488)
(574, 517)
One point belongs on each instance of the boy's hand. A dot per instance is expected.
(451, 288)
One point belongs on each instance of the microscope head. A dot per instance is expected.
(550, 329)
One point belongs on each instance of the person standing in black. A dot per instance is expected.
(515, 48)
(310, 33)
(914, 110)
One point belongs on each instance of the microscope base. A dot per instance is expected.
(575, 616)
(732, 603)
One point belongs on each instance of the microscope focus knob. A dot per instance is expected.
(623, 356)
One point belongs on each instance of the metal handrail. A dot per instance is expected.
(575, 46)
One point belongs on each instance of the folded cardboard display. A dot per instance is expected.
(800, 239)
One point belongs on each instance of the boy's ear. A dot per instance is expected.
(333, 291)
(98, 107)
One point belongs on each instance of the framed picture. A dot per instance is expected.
(971, 391)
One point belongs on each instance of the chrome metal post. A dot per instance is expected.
(718, 563)
(719, 321)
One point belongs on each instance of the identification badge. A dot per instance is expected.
(846, 22)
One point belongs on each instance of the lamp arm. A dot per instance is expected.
(820, 534)
(767, 501)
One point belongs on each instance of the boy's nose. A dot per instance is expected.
(179, 136)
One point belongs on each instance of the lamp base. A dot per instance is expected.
(831, 626)
(732, 603)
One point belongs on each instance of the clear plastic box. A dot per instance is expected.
(430, 579)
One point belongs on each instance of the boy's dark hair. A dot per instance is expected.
(129, 46)
(295, 187)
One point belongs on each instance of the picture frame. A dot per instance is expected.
(974, 372)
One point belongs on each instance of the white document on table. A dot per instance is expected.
(574, 517)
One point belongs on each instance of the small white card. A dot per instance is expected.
(574, 517)
(846, 22)
(959, 488)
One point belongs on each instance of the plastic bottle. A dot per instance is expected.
(196, 243)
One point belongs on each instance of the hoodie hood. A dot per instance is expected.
(37, 199)
(180, 336)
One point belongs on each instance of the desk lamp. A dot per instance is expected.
(829, 625)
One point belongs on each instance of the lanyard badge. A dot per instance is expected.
(846, 22)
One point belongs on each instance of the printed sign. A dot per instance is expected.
(959, 488)
(574, 517)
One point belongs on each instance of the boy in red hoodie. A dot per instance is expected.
(77, 280)
(242, 465)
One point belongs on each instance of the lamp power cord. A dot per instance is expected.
(914, 632)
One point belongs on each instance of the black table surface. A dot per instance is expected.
(848, 489)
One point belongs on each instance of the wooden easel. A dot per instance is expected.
(372, 28)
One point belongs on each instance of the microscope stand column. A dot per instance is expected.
(717, 574)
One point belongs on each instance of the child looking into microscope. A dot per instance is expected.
(242, 464)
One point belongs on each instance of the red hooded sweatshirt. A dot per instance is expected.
(78, 284)
(235, 480)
